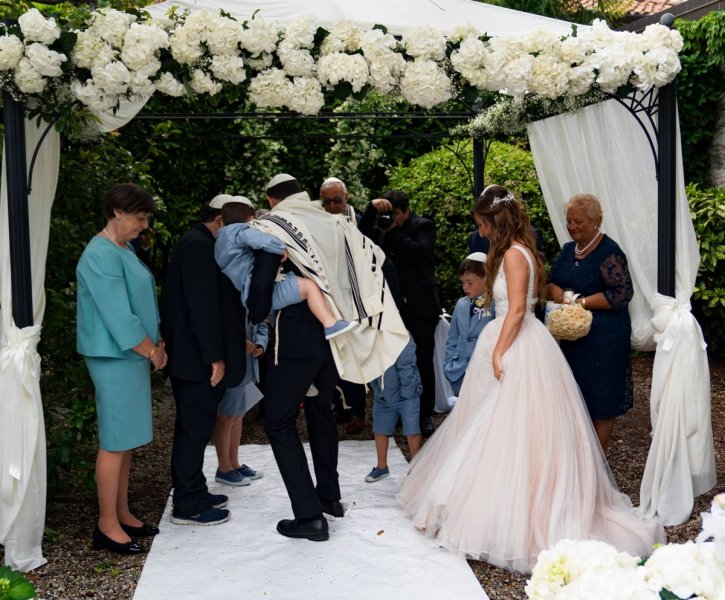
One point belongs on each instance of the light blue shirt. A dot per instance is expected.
(116, 306)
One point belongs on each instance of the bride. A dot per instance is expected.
(517, 466)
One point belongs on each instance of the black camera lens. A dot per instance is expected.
(385, 220)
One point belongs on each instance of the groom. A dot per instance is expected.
(303, 357)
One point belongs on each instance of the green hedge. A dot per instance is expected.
(439, 187)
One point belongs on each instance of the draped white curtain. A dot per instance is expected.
(602, 150)
(22, 430)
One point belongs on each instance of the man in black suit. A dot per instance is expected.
(202, 322)
(303, 357)
(409, 242)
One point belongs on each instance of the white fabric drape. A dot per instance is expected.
(443, 386)
(22, 430)
(602, 150)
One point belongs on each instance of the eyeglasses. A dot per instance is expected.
(333, 200)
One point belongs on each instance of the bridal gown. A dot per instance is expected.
(517, 466)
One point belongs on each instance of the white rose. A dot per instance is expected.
(168, 84)
(36, 28)
(228, 68)
(90, 50)
(306, 96)
(111, 25)
(425, 84)
(337, 67)
(27, 77)
(425, 42)
(111, 79)
(11, 51)
(262, 36)
(202, 83)
(94, 98)
(45, 61)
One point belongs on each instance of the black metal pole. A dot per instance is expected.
(19, 229)
(666, 188)
(479, 161)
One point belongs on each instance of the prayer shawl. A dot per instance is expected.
(347, 267)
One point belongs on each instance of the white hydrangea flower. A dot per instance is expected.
(44, 60)
(262, 36)
(540, 41)
(549, 77)
(202, 83)
(36, 28)
(11, 51)
(27, 78)
(228, 68)
(141, 86)
(425, 42)
(169, 85)
(572, 50)
(94, 98)
(658, 35)
(461, 32)
(90, 49)
(141, 45)
(470, 61)
(568, 560)
(199, 23)
(686, 570)
(425, 84)
(614, 66)
(270, 89)
(261, 62)
(581, 79)
(344, 37)
(112, 79)
(301, 33)
(111, 25)
(622, 584)
(306, 96)
(517, 74)
(296, 62)
(337, 67)
(185, 44)
(385, 71)
(223, 36)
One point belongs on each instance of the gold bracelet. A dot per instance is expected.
(151, 354)
(584, 302)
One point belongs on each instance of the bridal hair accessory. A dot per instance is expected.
(477, 256)
(502, 200)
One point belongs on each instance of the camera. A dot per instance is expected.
(385, 220)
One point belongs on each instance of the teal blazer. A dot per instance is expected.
(116, 305)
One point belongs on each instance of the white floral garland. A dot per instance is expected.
(118, 55)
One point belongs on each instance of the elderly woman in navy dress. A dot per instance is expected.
(118, 336)
(594, 266)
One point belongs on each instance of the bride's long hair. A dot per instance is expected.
(509, 223)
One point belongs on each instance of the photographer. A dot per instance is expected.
(409, 242)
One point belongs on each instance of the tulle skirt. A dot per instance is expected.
(517, 465)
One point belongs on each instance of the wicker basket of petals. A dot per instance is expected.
(570, 322)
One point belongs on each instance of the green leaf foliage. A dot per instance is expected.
(440, 188)
(707, 208)
(13, 586)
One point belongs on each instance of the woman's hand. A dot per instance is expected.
(158, 357)
(497, 360)
(217, 372)
(554, 293)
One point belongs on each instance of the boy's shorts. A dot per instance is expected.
(386, 413)
(286, 292)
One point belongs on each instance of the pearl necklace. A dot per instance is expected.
(110, 237)
(585, 248)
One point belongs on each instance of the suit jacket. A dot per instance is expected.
(202, 318)
(411, 248)
(462, 337)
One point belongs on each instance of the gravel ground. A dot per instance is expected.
(76, 571)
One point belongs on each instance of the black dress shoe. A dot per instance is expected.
(333, 508)
(143, 531)
(426, 427)
(102, 542)
(315, 530)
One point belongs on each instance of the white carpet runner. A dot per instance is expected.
(374, 552)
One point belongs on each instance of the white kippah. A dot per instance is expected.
(332, 180)
(243, 200)
(478, 256)
(220, 200)
(279, 178)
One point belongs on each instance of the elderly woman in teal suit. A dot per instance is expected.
(118, 336)
(469, 318)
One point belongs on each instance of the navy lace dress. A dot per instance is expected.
(601, 360)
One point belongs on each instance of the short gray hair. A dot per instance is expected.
(330, 181)
(589, 203)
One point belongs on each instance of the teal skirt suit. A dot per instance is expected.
(116, 309)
